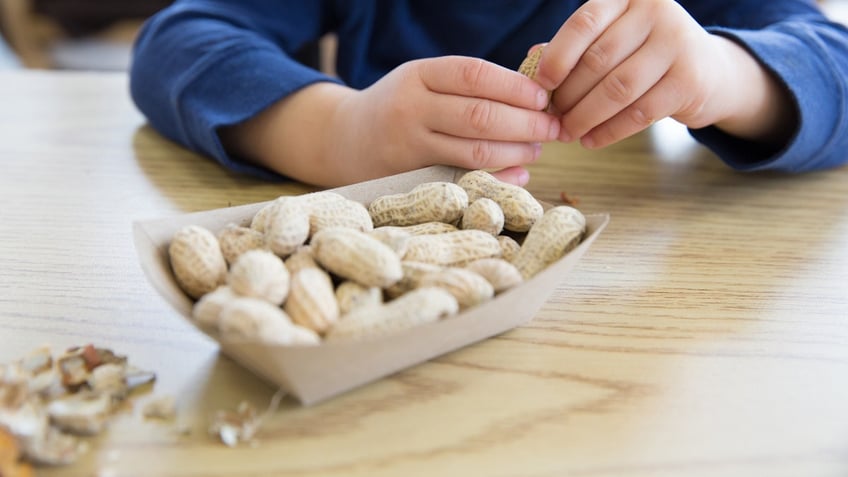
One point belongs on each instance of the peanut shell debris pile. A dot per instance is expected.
(47, 403)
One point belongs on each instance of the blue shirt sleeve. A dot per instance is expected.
(809, 56)
(201, 65)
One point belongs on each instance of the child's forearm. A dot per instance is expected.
(758, 108)
(292, 136)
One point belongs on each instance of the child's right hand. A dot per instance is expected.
(450, 110)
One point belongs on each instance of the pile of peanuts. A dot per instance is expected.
(321, 267)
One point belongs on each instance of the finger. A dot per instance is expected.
(579, 31)
(661, 101)
(516, 175)
(484, 119)
(618, 43)
(618, 90)
(473, 77)
(482, 154)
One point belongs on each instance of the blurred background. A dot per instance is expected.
(73, 34)
(98, 34)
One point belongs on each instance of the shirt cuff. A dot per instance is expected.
(792, 55)
(256, 79)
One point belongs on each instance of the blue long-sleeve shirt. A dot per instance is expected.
(200, 65)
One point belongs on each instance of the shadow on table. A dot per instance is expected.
(194, 182)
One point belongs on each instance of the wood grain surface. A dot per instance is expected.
(704, 333)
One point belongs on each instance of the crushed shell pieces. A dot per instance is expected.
(47, 402)
(242, 425)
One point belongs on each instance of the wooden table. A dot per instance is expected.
(705, 332)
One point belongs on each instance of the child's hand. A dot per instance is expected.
(448, 110)
(616, 66)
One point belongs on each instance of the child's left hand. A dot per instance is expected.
(617, 66)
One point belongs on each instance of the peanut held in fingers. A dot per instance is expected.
(197, 261)
(530, 66)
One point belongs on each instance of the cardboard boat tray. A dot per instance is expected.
(315, 373)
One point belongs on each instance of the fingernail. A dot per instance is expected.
(542, 99)
(523, 177)
(553, 131)
(537, 150)
(564, 136)
(587, 142)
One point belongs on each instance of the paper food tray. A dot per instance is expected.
(315, 373)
